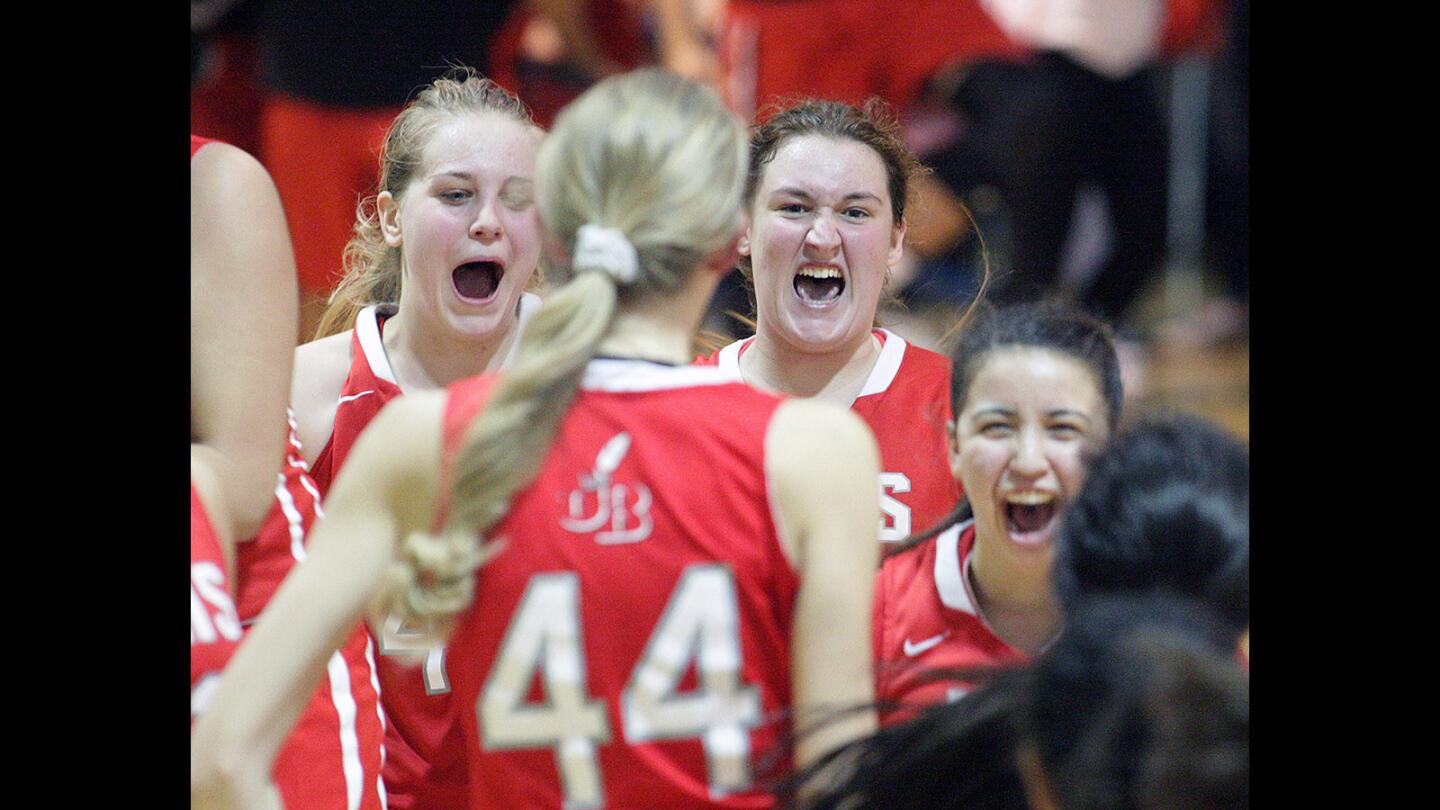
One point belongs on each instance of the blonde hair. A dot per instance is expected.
(653, 156)
(372, 267)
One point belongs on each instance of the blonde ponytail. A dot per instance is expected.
(504, 448)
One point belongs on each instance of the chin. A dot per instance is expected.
(823, 334)
(480, 325)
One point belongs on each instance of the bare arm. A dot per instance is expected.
(824, 467)
(386, 490)
(205, 464)
(243, 316)
(321, 368)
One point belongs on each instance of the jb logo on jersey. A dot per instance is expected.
(621, 511)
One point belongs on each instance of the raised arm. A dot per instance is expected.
(824, 468)
(387, 489)
(243, 321)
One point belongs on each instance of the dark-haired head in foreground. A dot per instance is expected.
(1138, 704)
(1166, 509)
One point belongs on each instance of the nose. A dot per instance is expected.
(1029, 459)
(823, 238)
(486, 226)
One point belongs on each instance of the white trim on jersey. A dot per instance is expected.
(345, 710)
(295, 523)
(368, 330)
(951, 579)
(729, 357)
(367, 327)
(887, 365)
(379, 712)
(529, 305)
(633, 376)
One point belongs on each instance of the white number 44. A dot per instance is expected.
(700, 624)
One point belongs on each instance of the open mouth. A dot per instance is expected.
(819, 285)
(1029, 514)
(477, 282)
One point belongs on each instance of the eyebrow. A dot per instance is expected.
(799, 192)
(468, 177)
(998, 410)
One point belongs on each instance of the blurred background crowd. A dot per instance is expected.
(1094, 150)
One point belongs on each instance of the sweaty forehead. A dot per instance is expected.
(824, 166)
(481, 142)
(1031, 378)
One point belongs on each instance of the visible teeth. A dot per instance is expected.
(819, 272)
(1030, 498)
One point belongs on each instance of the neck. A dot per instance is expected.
(661, 327)
(1015, 599)
(426, 355)
(837, 376)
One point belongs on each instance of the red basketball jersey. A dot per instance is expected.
(336, 753)
(369, 386)
(906, 403)
(925, 618)
(214, 625)
(630, 646)
(333, 756)
(414, 691)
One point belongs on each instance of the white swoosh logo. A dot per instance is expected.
(344, 400)
(918, 647)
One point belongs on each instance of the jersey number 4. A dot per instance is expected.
(700, 625)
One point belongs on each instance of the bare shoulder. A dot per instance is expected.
(321, 367)
(813, 431)
(228, 171)
(823, 465)
(398, 454)
(416, 418)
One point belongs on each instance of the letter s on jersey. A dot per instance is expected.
(212, 613)
(894, 515)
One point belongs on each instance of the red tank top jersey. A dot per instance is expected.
(906, 403)
(370, 385)
(414, 693)
(339, 748)
(925, 618)
(334, 755)
(214, 625)
(629, 647)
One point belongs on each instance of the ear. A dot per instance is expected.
(742, 247)
(897, 244)
(387, 210)
(723, 260)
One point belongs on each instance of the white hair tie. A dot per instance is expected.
(606, 250)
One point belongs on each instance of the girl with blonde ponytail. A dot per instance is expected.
(650, 573)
